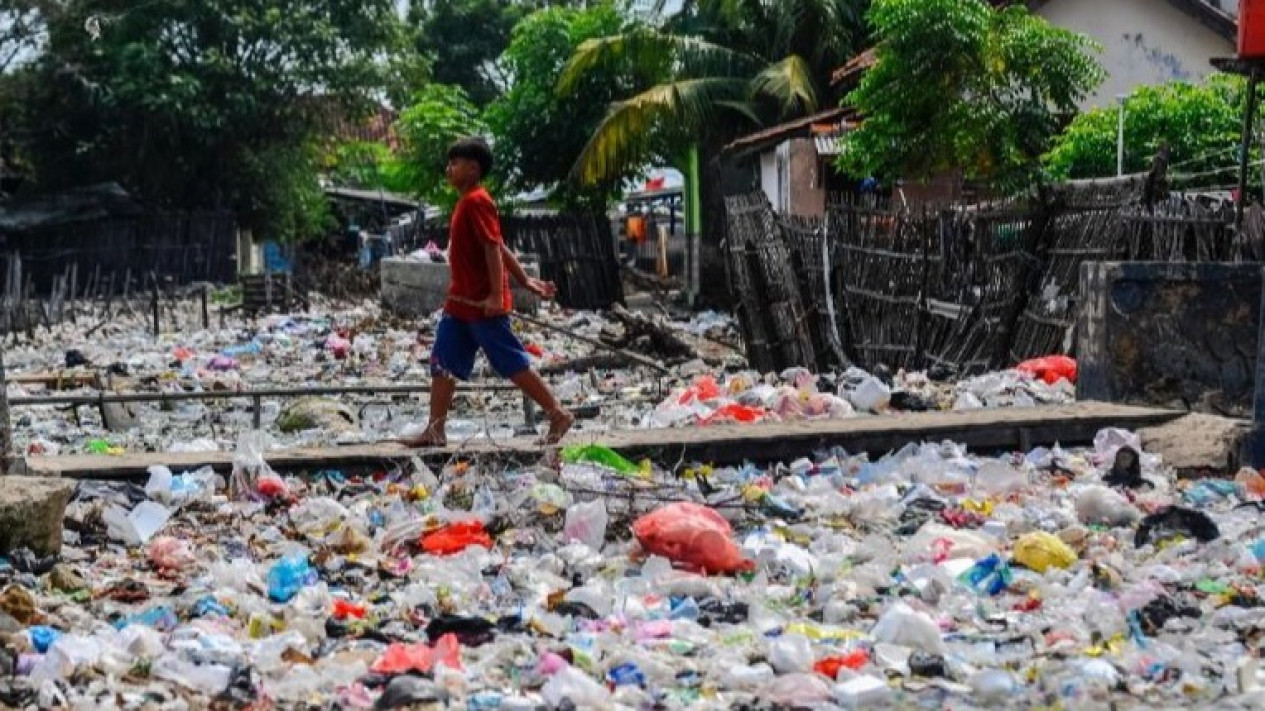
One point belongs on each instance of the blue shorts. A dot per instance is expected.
(457, 343)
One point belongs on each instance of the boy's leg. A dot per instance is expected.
(537, 389)
(451, 359)
(509, 359)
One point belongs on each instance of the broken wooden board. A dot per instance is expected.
(984, 430)
(57, 380)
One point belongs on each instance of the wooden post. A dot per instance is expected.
(206, 314)
(157, 324)
(1245, 147)
(6, 427)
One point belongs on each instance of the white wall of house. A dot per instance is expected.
(1144, 42)
(771, 178)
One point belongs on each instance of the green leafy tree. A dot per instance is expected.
(1201, 123)
(959, 84)
(465, 38)
(727, 67)
(216, 103)
(439, 115)
(360, 164)
(540, 133)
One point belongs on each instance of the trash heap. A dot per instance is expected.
(930, 577)
(361, 345)
(797, 394)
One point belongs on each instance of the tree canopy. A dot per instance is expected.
(215, 104)
(725, 67)
(1201, 124)
(539, 132)
(959, 84)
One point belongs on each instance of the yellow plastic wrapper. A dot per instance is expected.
(1041, 551)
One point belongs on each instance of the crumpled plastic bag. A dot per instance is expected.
(456, 537)
(1050, 369)
(401, 658)
(1041, 551)
(167, 553)
(586, 523)
(692, 535)
(248, 463)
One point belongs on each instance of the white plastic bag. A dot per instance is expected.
(248, 462)
(586, 523)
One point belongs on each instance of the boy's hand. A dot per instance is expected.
(494, 305)
(544, 289)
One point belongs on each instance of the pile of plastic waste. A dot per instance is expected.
(930, 577)
(362, 346)
(797, 395)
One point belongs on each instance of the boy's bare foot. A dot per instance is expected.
(560, 423)
(429, 437)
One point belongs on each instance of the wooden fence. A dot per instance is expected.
(181, 247)
(969, 287)
(576, 252)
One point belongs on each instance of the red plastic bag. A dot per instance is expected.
(704, 389)
(1051, 369)
(692, 535)
(456, 537)
(733, 412)
(272, 487)
(830, 666)
(346, 608)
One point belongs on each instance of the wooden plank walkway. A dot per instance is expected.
(1006, 429)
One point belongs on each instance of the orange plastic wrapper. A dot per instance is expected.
(830, 666)
(693, 536)
(1051, 369)
(402, 658)
(456, 537)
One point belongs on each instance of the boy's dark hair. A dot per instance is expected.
(475, 149)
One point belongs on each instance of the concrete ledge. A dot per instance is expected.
(982, 430)
(417, 289)
(1198, 443)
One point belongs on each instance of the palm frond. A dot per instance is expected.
(790, 84)
(644, 47)
(624, 137)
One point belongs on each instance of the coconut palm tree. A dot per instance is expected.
(728, 67)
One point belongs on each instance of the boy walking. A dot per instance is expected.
(476, 313)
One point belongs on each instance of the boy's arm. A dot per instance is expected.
(513, 266)
(495, 304)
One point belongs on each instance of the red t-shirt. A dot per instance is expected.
(474, 225)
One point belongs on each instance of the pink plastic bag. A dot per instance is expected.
(401, 658)
(167, 553)
(692, 535)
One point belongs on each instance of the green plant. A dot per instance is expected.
(439, 115)
(540, 133)
(1201, 124)
(961, 85)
